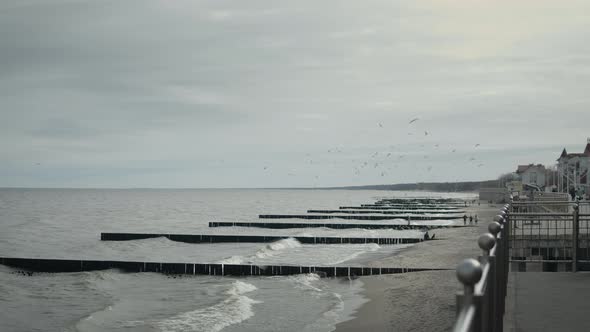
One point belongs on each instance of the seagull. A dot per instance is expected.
(476, 145)
(413, 120)
(380, 125)
(425, 133)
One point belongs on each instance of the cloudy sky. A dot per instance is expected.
(159, 93)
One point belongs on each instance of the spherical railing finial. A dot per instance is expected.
(494, 228)
(499, 219)
(469, 272)
(486, 242)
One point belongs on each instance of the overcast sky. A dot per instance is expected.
(159, 93)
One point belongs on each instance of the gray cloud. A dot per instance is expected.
(209, 93)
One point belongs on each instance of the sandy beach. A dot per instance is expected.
(422, 301)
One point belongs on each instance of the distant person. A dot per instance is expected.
(464, 219)
(470, 220)
(476, 219)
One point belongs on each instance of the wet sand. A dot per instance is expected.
(421, 301)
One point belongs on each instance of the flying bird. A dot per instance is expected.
(476, 145)
(413, 120)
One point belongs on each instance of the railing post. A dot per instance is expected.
(469, 273)
(488, 308)
(575, 232)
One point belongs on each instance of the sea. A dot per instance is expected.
(66, 223)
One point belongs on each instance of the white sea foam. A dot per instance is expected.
(335, 312)
(306, 281)
(370, 247)
(233, 310)
(272, 248)
(269, 250)
(232, 260)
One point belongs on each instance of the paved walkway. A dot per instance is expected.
(548, 301)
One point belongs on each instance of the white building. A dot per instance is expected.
(533, 175)
(572, 169)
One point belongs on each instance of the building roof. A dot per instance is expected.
(524, 168)
(566, 155)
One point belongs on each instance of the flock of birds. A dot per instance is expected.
(380, 162)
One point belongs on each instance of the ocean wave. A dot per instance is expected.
(306, 281)
(269, 250)
(272, 248)
(334, 314)
(233, 310)
(232, 260)
(370, 247)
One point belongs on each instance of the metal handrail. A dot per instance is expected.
(480, 307)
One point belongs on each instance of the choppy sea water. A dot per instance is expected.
(56, 223)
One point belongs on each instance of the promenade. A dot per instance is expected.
(421, 301)
(547, 301)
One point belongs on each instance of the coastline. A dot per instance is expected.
(420, 301)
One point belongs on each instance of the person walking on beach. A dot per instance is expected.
(476, 219)
(464, 219)
(470, 219)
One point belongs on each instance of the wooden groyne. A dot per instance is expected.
(388, 207)
(422, 201)
(66, 265)
(385, 211)
(415, 207)
(285, 225)
(357, 217)
(206, 238)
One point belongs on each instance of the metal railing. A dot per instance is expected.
(554, 241)
(519, 229)
(480, 307)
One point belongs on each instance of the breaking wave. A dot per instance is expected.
(233, 310)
